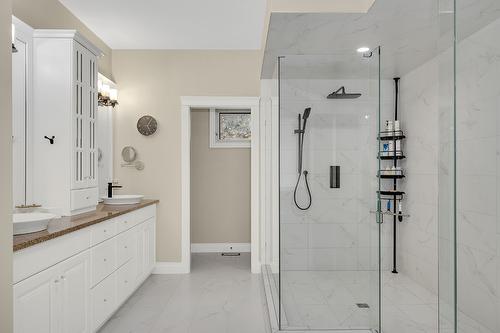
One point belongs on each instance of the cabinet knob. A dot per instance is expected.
(104, 230)
(104, 259)
(126, 247)
(56, 281)
(105, 300)
(87, 198)
(63, 277)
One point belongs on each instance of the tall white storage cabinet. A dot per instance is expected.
(65, 107)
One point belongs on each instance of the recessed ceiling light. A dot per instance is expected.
(363, 49)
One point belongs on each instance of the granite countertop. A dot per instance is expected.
(64, 225)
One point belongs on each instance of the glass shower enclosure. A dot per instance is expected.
(331, 241)
(335, 267)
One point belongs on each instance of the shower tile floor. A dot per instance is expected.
(326, 300)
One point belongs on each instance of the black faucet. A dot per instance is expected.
(110, 189)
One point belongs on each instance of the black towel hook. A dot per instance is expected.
(51, 140)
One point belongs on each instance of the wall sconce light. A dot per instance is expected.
(113, 95)
(106, 96)
(14, 50)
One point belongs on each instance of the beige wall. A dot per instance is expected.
(51, 14)
(5, 169)
(152, 82)
(220, 188)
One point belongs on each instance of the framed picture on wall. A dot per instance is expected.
(230, 128)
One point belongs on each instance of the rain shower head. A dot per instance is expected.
(341, 94)
(307, 111)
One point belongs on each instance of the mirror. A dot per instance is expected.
(129, 154)
(22, 191)
(104, 140)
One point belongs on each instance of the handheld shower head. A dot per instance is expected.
(307, 111)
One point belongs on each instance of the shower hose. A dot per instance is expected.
(308, 191)
(305, 173)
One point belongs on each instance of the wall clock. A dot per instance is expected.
(147, 125)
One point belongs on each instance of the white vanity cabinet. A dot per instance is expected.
(104, 265)
(65, 108)
(56, 299)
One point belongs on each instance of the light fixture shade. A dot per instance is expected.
(113, 94)
(105, 90)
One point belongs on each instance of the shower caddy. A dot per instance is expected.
(394, 195)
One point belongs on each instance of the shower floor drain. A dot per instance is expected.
(362, 305)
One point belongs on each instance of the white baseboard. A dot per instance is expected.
(219, 247)
(171, 268)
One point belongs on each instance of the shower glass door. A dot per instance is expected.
(330, 248)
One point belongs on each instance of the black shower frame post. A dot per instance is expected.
(395, 181)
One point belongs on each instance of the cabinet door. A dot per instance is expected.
(150, 246)
(36, 303)
(90, 117)
(146, 249)
(139, 257)
(78, 154)
(75, 282)
(84, 120)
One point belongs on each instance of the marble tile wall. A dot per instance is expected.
(337, 232)
(418, 234)
(478, 177)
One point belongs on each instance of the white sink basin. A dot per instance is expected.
(129, 199)
(25, 223)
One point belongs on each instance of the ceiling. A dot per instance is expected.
(173, 24)
(409, 33)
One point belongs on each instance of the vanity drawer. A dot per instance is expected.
(102, 231)
(102, 260)
(125, 246)
(84, 198)
(125, 222)
(103, 301)
(125, 279)
(145, 213)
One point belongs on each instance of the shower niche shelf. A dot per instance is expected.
(391, 135)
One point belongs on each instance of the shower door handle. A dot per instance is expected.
(334, 176)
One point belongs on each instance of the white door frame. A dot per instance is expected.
(188, 103)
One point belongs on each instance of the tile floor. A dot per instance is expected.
(220, 295)
(327, 300)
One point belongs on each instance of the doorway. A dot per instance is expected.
(220, 181)
(190, 104)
